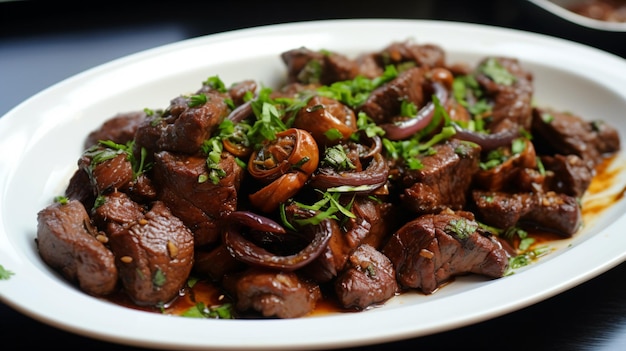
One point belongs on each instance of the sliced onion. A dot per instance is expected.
(487, 141)
(255, 221)
(241, 112)
(405, 129)
(374, 176)
(247, 251)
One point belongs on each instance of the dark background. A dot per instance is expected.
(42, 43)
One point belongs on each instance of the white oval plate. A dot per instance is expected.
(41, 140)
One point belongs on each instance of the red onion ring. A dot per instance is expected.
(405, 129)
(487, 141)
(255, 221)
(375, 175)
(241, 112)
(247, 251)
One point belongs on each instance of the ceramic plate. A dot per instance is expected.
(41, 140)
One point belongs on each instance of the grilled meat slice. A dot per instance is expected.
(154, 256)
(369, 278)
(431, 249)
(68, 242)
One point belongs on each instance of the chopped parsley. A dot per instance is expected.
(468, 93)
(327, 207)
(462, 228)
(212, 148)
(496, 72)
(200, 310)
(367, 125)
(269, 113)
(500, 155)
(336, 158)
(63, 200)
(5, 274)
(216, 83)
(525, 258)
(197, 100)
(159, 278)
(112, 150)
(354, 92)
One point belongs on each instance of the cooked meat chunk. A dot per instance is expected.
(80, 188)
(154, 256)
(373, 222)
(567, 174)
(506, 175)
(369, 278)
(273, 293)
(141, 189)
(332, 260)
(512, 99)
(236, 92)
(422, 55)
(120, 129)
(100, 170)
(216, 263)
(107, 169)
(199, 204)
(431, 249)
(565, 133)
(384, 103)
(188, 124)
(68, 243)
(444, 180)
(552, 211)
(315, 67)
(116, 212)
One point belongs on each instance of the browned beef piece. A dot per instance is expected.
(369, 66)
(69, 243)
(316, 67)
(273, 293)
(332, 260)
(373, 223)
(185, 127)
(154, 256)
(111, 174)
(80, 188)
(506, 176)
(547, 210)
(120, 129)
(369, 278)
(431, 249)
(206, 230)
(423, 55)
(92, 179)
(444, 180)
(141, 189)
(291, 90)
(565, 133)
(384, 102)
(216, 263)
(200, 205)
(238, 91)
(512, 102)
(566, 174)
(116, 212)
